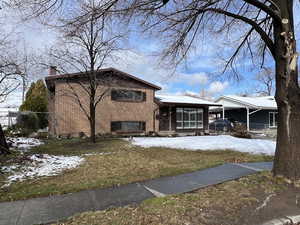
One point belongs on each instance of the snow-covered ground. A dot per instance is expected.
(24, 144)
(41, 165)
(36, 165)
(256, 146)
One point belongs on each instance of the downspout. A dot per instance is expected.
(170, 119)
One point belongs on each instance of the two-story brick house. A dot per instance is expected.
(130, 106)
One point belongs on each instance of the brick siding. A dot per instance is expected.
(69, 118)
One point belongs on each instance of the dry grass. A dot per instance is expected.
(127, 164)
(231, 203)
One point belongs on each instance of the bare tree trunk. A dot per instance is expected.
(93, 124)
(93, 110)
(287, 155)
(4, 149)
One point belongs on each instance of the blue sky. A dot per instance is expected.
(193, 75)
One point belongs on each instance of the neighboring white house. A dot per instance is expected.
(256, 112)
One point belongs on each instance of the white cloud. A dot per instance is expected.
(217, 87)
(191, 93)
(181, 92)
(35, 35)
(148, 68)
(142, 66)
(13, 100)
(194, 79)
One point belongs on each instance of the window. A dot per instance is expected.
(128, 95)
(273, 119)
(128, 126)
(189, 118)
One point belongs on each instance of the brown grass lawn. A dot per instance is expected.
(127, 164)
(231, 203)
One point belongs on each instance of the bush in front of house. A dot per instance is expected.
(12, 131)
(37, 101)
(240, 131)
(27, 123)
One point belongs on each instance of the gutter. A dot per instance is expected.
(184, 103)
(247, 104)
(237, 101)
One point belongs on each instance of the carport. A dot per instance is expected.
(243, 109)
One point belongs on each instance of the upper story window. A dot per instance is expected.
(128, 95)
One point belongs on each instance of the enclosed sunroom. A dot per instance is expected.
(183, 114)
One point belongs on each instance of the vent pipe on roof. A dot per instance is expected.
(52, 70)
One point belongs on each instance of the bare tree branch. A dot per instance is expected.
(275, 14)
(266, 80)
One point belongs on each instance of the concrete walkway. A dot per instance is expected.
(54, 208)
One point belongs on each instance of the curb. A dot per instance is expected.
(288, 220)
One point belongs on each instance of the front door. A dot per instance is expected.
(164, 116)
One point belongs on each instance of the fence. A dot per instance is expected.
(8, 118)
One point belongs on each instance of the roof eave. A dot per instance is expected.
(247, 104)
(237, 101)
(269, 108)
(62, 76)
(185, 103)
(136, 78)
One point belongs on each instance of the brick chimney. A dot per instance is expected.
(52, 70)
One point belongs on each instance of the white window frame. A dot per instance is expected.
(179, 121)
(189, 121)
(274, 119)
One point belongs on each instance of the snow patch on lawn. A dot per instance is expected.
(222, 142)
(40, 165)
(24, 143)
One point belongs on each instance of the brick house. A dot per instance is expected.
(131, 106)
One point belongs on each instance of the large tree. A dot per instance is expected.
(265, 27)
(86, 46)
